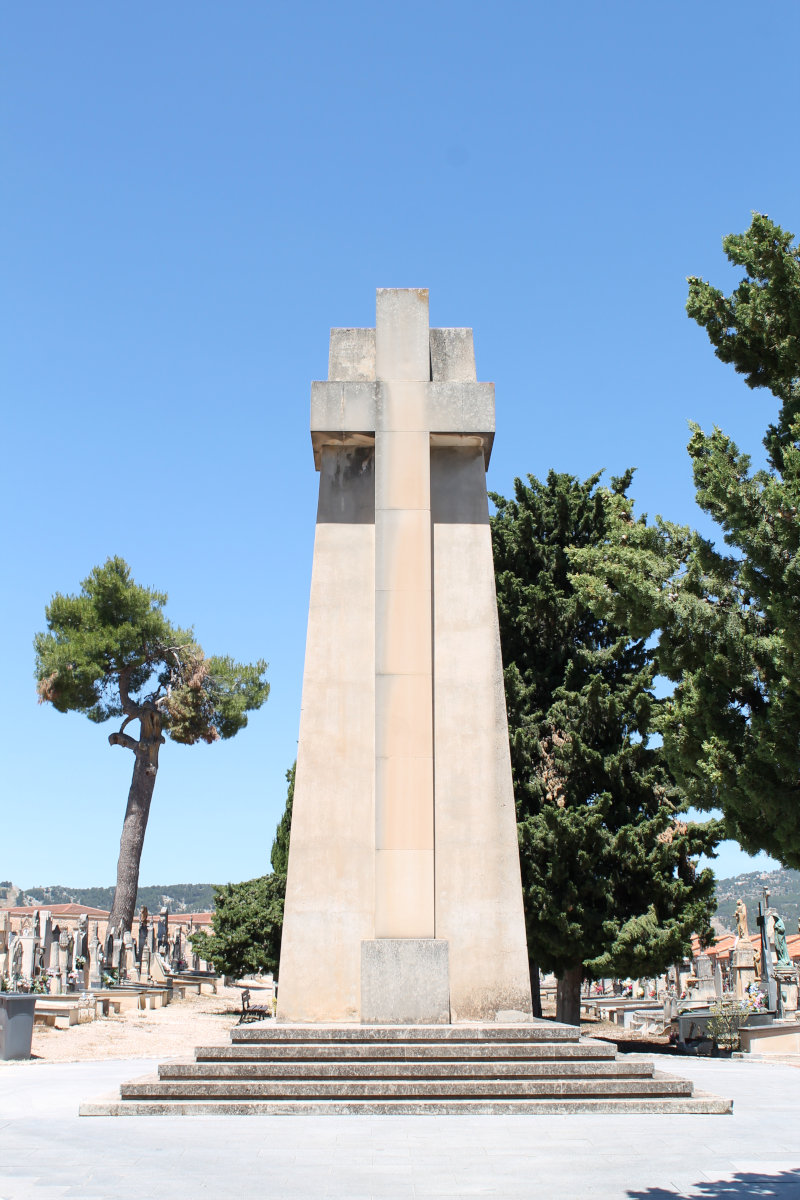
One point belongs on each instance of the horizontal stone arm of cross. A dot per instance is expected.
(351, 412)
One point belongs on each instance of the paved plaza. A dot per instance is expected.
(47, 1152)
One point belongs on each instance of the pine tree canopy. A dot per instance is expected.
(111, 652)
(727, 623)
(608, 858)
(111, 648)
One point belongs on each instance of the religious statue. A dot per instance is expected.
(781, 949)
(81, 937)
(741, 920)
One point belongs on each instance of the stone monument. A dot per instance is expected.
(403, 899)
(743, 957)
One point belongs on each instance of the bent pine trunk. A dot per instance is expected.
(131, 842)
(568, 996)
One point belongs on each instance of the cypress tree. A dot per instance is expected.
(609, 875)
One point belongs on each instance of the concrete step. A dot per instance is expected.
(278, 1032)
(429, 1051)
(281, 1069)
(341, 1089)
(697, 1103)
(626, 1068)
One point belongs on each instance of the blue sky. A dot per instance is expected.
(192, 195)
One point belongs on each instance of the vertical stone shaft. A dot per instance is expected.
(330, 886)
(404, 848)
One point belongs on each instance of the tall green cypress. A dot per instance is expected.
(608, 858)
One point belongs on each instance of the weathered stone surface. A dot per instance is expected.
(699, 1103)
(352, 354)
(402, 340)
(452, 355)
(331, 882)
(407, 1051)
(415, 1069)
(405, 981)
(478, 887)
(406, 1069)
(387, 428)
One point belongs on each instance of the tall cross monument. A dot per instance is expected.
(403, 899)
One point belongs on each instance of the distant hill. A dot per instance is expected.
(784, 887)
(179, 897)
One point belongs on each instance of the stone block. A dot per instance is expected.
(404, 894)
(343, 407)
(402, 548)
(403, 407)
(405, 981)
(403, 632)
(352, 354)
(452, 355)
(347, 486)
(402, 464)
(403, 803)
(402, 342)
(399, 699)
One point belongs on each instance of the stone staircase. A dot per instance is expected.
(275, 1069)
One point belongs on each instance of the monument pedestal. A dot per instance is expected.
(538, 1067)
(405, 981)
(743, 967)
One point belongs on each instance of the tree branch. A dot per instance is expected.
(128, 706)
(123, 739)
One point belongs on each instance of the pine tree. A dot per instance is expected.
(110, 652)
(608, 858)
(728, 624)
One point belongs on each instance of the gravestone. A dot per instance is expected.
(743, 967)
(30, 944)
(705, 979)
(403, 899)
(5, 931)
(95, 949)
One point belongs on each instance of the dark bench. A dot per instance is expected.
(251, 1013)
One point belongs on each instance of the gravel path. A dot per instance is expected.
(204, 1020)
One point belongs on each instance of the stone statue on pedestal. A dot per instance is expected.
(782, 958)
(741, 920)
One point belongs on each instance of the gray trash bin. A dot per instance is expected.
(16, 1024)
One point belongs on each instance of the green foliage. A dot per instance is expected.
(248, 917)
(246, 929)
(280, 847)
(757, 327)
(727, 625)
(608, 867)
(112, 643)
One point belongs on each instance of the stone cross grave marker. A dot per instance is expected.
(403, 898)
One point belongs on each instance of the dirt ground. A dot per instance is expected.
(204, 1020)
